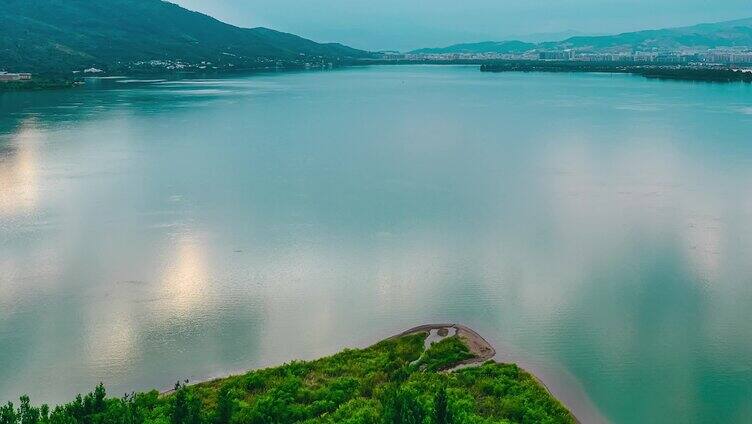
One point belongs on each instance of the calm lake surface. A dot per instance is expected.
(596, 228)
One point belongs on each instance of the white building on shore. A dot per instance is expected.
(6, 76)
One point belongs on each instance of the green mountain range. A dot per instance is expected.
(67, 35)
(737, 33)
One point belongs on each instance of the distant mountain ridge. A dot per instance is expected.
(64, 35)
(513, 46)
(736, 33)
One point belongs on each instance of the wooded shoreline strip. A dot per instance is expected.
(719, 74)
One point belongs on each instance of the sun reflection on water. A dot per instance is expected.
(185, 279)
(19, 172)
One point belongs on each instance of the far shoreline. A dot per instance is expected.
(662, 72)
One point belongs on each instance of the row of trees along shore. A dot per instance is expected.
(673, 72)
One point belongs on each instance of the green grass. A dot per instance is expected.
(377, 385)
(444, 354)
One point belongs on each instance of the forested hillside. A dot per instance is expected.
(67, 35)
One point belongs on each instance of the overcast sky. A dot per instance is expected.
(409, 24)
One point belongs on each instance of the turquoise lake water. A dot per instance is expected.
(596, 228)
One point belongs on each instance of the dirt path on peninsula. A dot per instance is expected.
(479, 347)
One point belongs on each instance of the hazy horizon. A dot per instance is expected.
(396, 25)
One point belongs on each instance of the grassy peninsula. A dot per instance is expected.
(396, 381)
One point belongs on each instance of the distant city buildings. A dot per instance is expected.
(729, 56)
(462, 56)
(7, 76)
(557, 55)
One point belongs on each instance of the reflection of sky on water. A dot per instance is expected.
(595, 227)
(18, 171)
(185, 278)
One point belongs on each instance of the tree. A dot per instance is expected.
(8, 414)
(186, 408)
(180, 406)
(75, 409)
(99, 396)
(440, 408)
(27, 413)
(224, 407)
(401, 406)
(44, 413)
